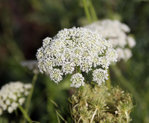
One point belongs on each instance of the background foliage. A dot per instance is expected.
(23, 25)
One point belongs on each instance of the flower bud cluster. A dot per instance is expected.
(99, 104)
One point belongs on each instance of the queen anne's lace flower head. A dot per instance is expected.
(74, 51)
(12, 95)
(116, 33)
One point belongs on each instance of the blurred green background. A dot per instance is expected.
(23, 25)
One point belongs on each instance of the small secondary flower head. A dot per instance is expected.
(12, 95)
(77, 80)
(100, 75)
(75, 51)
(116, 33)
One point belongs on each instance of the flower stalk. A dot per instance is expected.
(86, 9)
(27, 106)
(25, 114)
(92, 10)
(108, 82)
(89, 10)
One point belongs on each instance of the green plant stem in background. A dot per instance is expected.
(60, 116)
(89, 10)
(25, 114)
(92, 10)
(108, 82)
(53, 91)
(86, 9)
(57, 114)
(31, 93)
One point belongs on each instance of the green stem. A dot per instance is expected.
(65, 82)
(93, 115)
(108, 82)
(31, 93)
(58, 120)
(92, 10)
(77, 70)
(25, 114)
(87, 10)
(59, 116)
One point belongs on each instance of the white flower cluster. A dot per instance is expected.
(75, 51)
(12, 95)
(116, 32)
(77, 80)
(99, 75)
